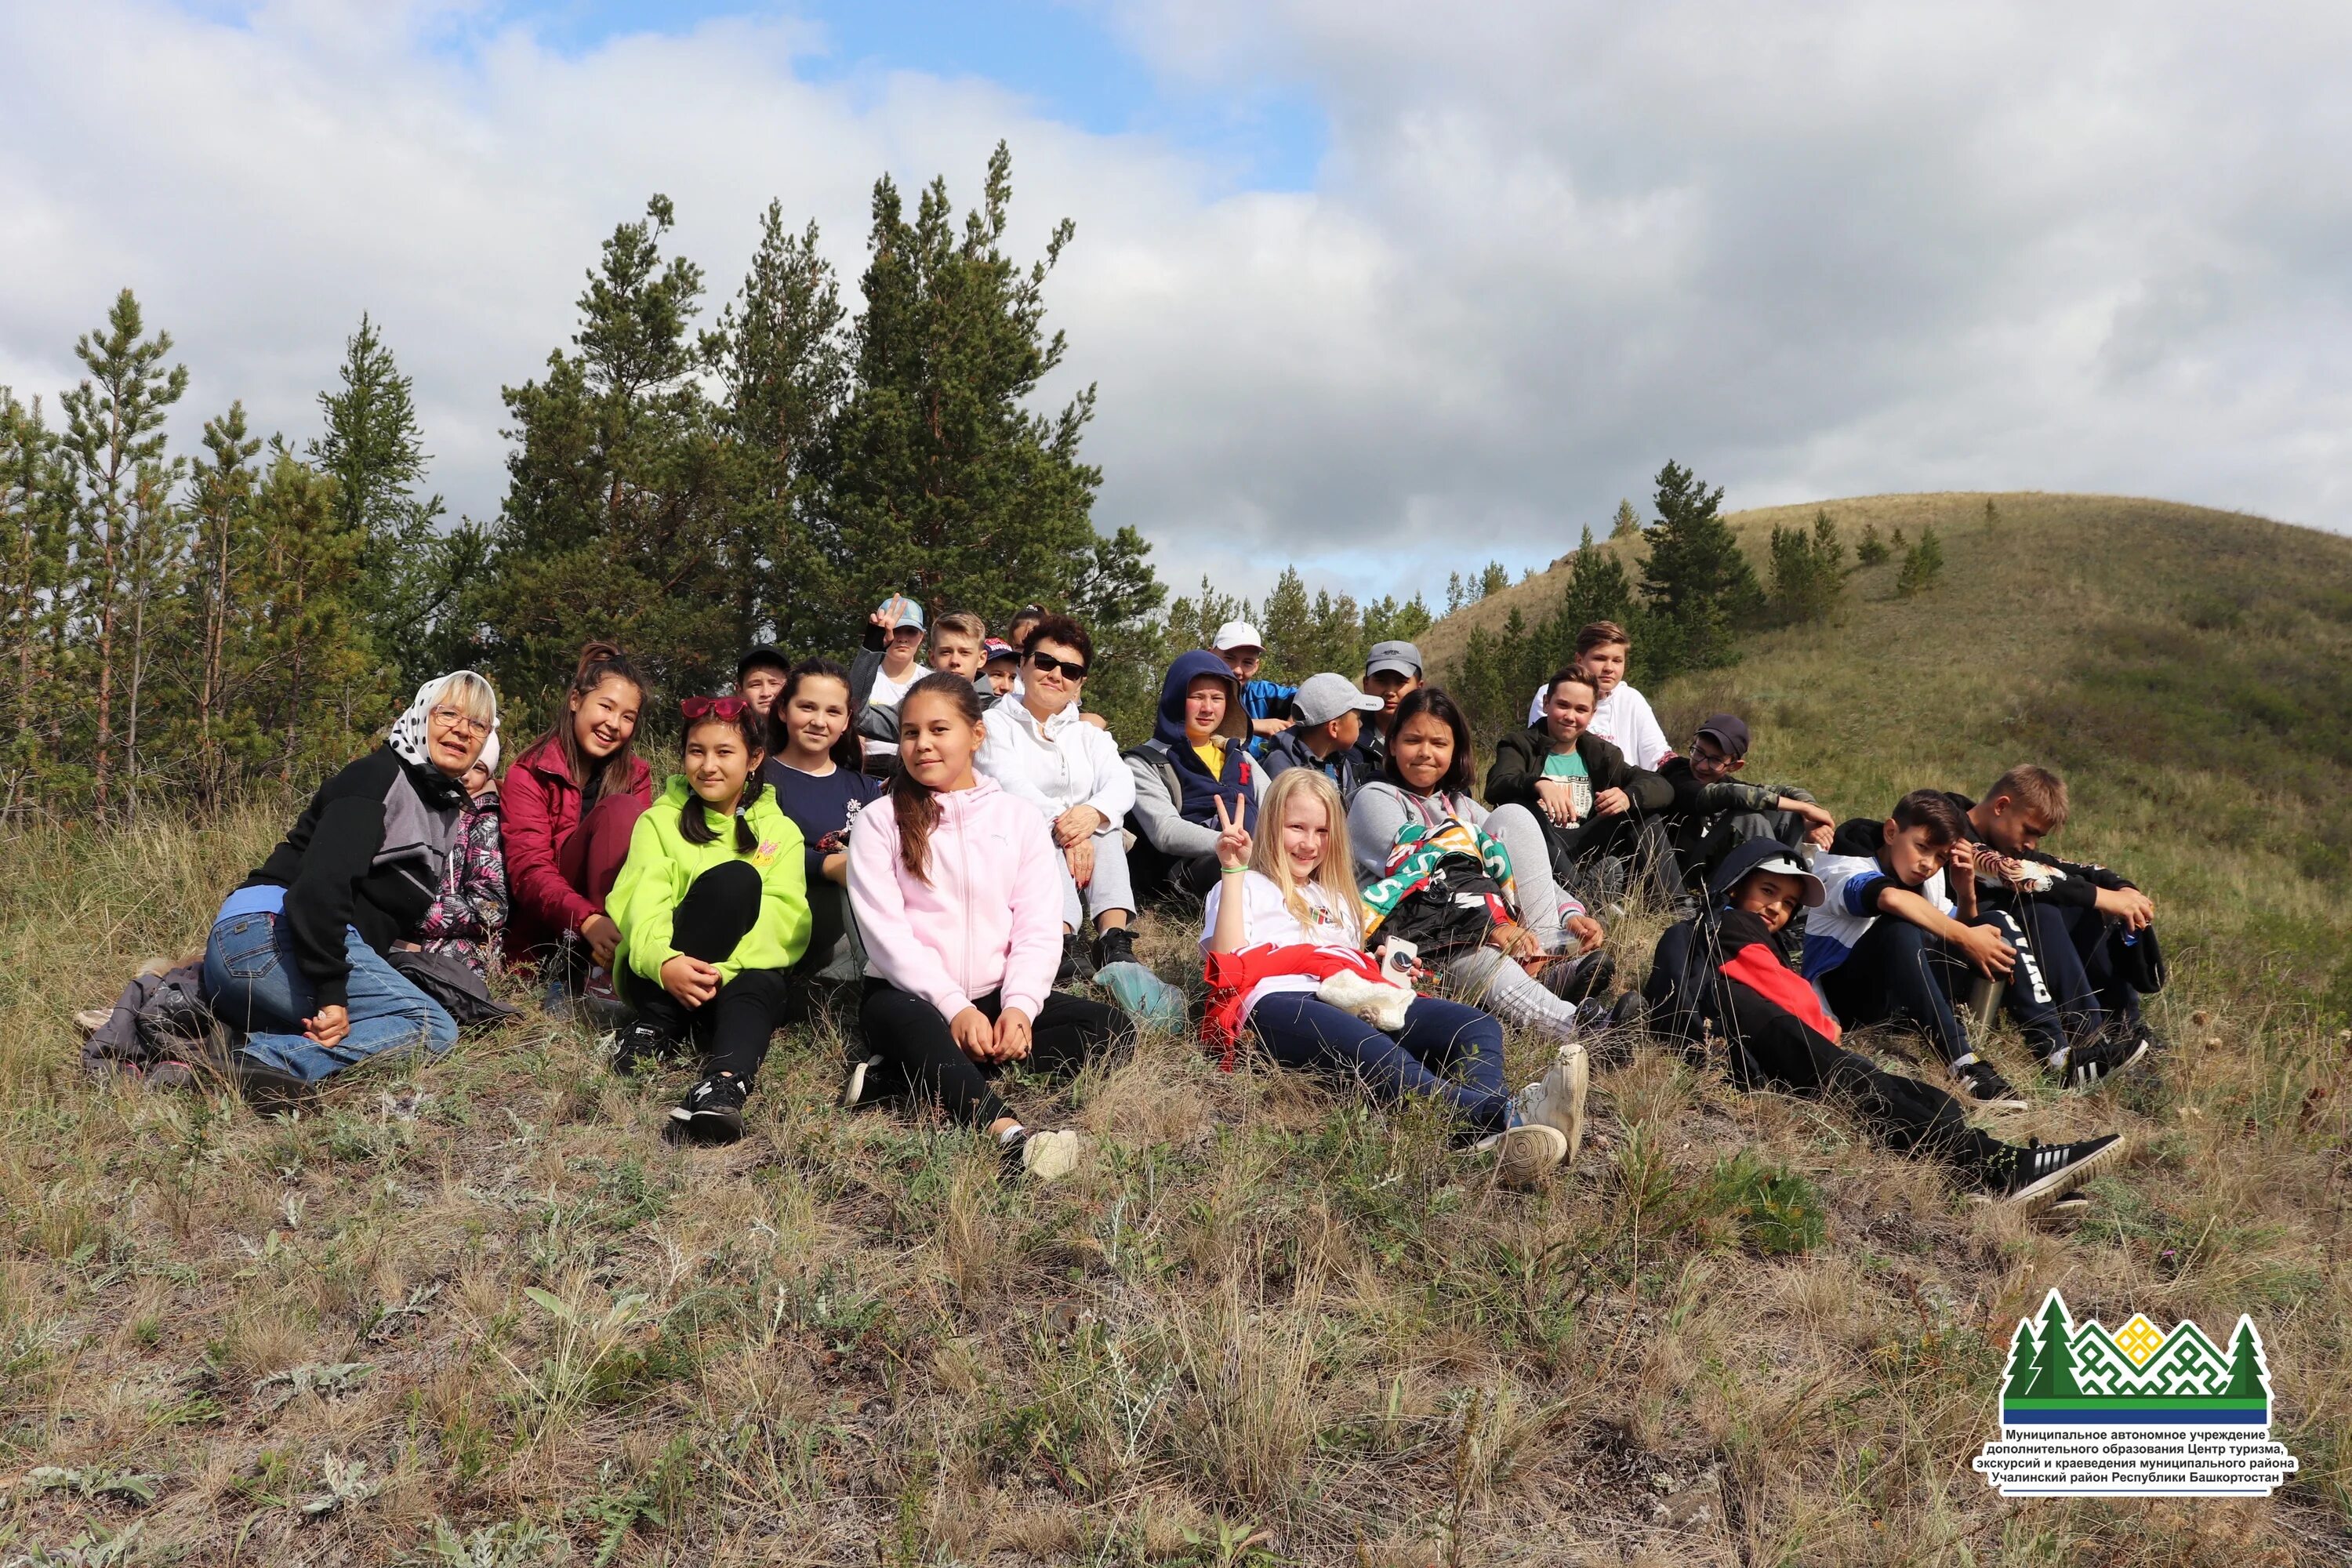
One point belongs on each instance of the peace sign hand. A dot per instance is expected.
(887, 617)
(1232, 837)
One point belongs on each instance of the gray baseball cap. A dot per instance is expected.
(1401, 656)
(1323, 698)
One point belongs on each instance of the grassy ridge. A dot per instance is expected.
(1265, 1324)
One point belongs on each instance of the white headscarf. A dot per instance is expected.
(407, 737)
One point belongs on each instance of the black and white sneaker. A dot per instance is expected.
(2032, 1178)
(639, 1048)
(712, 1111)
(2092, 1061)
(862, 1067)
(1982, 1084)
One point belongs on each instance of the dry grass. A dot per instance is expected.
(1265, 1324)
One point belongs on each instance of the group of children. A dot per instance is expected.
(944, 826)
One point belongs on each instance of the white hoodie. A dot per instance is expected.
(1056, 763)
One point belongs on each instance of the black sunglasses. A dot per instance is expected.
(1047, 661)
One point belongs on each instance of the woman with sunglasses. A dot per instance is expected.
(1041, 752)
(712, 904)
(296, 956)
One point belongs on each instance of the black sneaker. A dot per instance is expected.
(2093, 1060)
(640, 1047)
(1585, 974)
(1982, 1084)
(712, 1111)
(1116, 945)
(1078, 968)
(2032, 1178)
(862, 1067)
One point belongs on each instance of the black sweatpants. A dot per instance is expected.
(1150, 874)
(908, 1033)
(731, 1030)
(1773, 1047)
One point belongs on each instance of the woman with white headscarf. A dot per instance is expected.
(296, 957)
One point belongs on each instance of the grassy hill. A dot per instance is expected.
(474, 1311)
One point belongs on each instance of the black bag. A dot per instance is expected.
(450, 982)
(2139, 961)
(1449, 913)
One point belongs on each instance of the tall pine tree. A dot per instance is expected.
(944, 484)
(37, 494)
(114, 439)
(1700, 589)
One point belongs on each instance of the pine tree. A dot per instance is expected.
(2021, 1360)
(2054, 1362)
(615, 521)
(1288, 624)
(2246, 1379)
(1385, 620)
(1627, 523)
(115, 441)
(1455, 594)
(1598, 590)
(36, 495)
(373, 449)
(308, 652)
(1921, 567)
(225, 549)
(780, 351)
(943, 484)
(1493, 579)
(1808, 571)
(1695, 580)
(1870, 550)
(1338, 644)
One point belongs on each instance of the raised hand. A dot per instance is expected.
(887, 617)
(1232, 837)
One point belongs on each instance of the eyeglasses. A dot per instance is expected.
(456, 719)
(1046, 661)
(726, 710)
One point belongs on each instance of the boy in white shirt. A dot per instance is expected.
(1623, 716)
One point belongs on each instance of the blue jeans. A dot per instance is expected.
(1300, 1031)
(253, 984)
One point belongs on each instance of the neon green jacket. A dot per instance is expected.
(662, 865)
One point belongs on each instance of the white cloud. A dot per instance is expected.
(1810, 252)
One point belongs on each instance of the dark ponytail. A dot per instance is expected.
(599, 661)
(915, 803)
(694, 817)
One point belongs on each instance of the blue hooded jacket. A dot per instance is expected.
(1201, 792)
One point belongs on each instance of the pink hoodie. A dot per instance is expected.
(989, 920)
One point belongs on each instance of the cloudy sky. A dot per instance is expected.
(1384, 288)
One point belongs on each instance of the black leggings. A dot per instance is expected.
(731, 1030)
(908, 1033)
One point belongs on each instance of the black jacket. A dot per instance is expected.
(367, 853)
(1519, 763)
(2079, 888)
(1287, 750)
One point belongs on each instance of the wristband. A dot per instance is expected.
(1233, 870)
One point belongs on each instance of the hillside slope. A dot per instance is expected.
(474, 1310)
(2189, 670)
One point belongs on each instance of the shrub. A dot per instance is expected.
(1921, 566)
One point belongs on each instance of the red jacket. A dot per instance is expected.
(543, 810)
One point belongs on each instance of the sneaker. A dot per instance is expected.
(2093, 1060)
(712, 1111)
(1076, 967)
(1116, 945)
(640, 1047)
(853, 1086)
(1584, 974)
(1557, 1100)
(1982, 1084)
(1045, 1157)
(2032, 1178)
(1523, 1155)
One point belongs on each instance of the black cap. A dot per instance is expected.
(1728, 732)
(766, 654)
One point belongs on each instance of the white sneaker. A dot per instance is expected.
(1525, 1155)
(1050, 1156)
(1557, 1100)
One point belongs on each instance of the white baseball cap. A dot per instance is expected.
(1237, 634)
